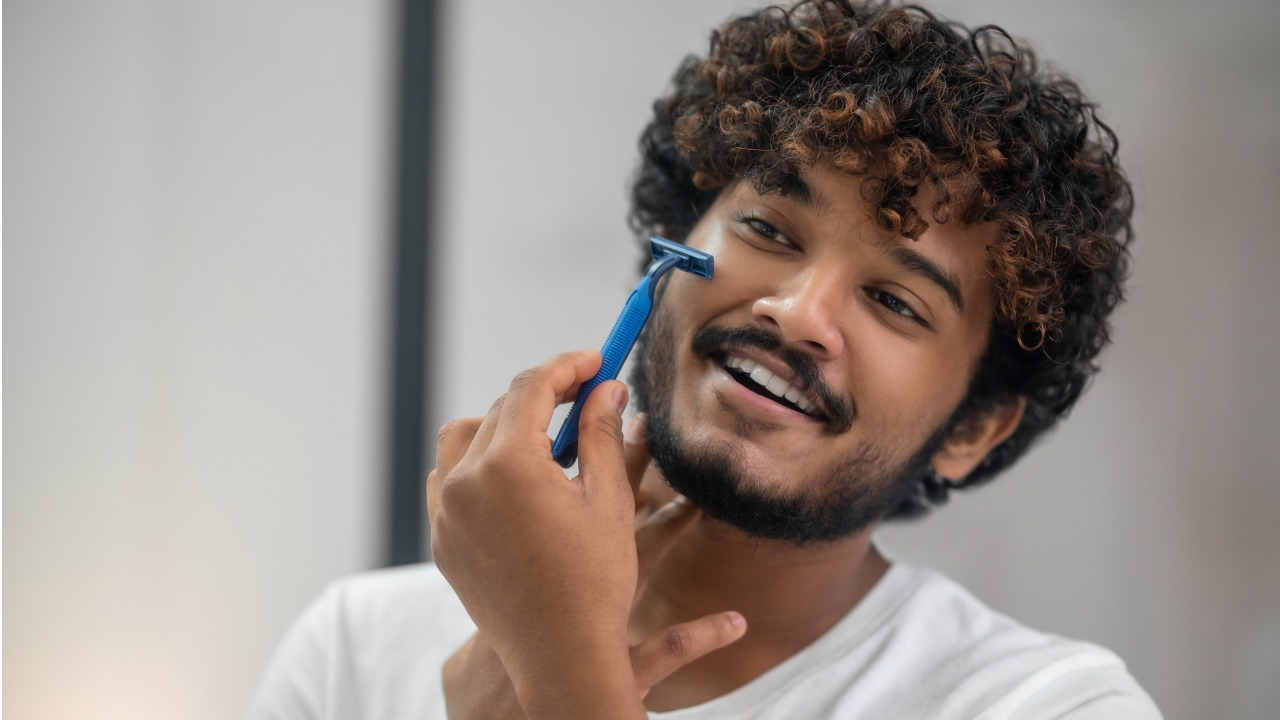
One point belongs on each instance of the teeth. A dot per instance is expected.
(761, 376)
(766, 379)
(778, 386)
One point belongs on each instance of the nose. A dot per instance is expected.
(805, 312)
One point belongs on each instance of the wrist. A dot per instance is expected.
(588, 685)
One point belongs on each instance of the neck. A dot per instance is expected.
(790, 595)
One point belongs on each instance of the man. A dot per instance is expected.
(919, 235)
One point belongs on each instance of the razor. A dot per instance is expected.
(667, 255)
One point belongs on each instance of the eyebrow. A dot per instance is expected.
(794, 187)
(919, 265)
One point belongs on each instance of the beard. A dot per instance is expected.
(860, 488)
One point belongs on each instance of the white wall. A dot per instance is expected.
(1147, 522)
(194, 302)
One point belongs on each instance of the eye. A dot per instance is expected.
(896, 306)
(763, 229)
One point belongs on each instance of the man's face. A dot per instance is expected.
(802, 393)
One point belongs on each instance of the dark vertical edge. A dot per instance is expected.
(410, 390)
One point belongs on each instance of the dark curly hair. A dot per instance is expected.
(904, 99)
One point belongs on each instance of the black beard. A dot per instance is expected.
(851, 495)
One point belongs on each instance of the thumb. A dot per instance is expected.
(601, 460)
(673, 648)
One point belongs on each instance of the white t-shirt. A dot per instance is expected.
(917, 646)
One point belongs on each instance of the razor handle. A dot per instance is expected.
(626, 329)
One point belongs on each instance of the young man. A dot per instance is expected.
(919, 235)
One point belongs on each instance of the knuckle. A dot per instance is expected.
(456, 428)
(496, 407)
(453, 496)
(524, 379)
(678, 641)
(448, 430)
(609, 427)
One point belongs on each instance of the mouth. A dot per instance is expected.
(760, 380)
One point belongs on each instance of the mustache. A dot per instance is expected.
(838, 411)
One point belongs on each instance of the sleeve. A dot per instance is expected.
(300, 681)
(1116, 707)
(1124, 699)
(1090, 685)
(1099, 694)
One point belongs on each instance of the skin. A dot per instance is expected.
(477, 686)
(823, 276)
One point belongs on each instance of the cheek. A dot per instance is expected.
(711, 240)
(735, 284)
(904, 385)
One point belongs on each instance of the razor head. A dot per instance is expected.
(686, 258)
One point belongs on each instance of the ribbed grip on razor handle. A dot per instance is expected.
(626, 329)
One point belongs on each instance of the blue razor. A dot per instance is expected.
(666, 255)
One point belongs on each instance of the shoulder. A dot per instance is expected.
(1001, 668)
(371, 645)
(393, 598)
(394, 616)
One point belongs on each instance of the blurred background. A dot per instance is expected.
(257, 251)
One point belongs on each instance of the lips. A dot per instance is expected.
(757, 360)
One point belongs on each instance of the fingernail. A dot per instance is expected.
(619, 398)
(681, 500)
(737, 620)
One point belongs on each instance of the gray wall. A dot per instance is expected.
(194, 345)
(1148, 521)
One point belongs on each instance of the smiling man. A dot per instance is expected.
(821, 370)
(919, 234)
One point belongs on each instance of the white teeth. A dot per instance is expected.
(766, 379)
(762, 376)
(778, 386)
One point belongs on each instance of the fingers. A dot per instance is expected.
(600, 453)
(523, 414)
(677, 646)
(452, 442)
(658, 535)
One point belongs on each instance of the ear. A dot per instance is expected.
(973, 439)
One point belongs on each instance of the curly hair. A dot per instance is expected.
(904, 99)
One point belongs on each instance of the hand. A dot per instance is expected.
(476, 684)
(546, 567)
